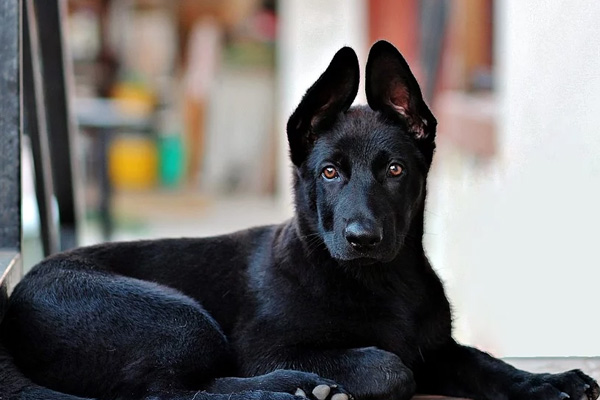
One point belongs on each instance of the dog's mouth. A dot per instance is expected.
(365, 258)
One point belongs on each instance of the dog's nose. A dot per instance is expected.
(363, 235)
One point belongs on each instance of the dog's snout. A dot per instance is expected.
(363, 235)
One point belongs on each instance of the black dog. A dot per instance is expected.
(342, 291)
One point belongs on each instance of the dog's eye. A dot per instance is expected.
(330, 172)
(395, 169)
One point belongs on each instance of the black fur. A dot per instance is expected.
(343, 291)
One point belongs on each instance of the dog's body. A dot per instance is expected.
(342, 292)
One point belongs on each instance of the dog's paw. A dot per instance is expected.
(573, 385)
(324, 392)
(308, 386)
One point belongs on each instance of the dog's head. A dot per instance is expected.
(361, 171)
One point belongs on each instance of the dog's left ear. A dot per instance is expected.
(332, 94)
(392, 89)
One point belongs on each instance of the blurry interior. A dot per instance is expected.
(181, 108)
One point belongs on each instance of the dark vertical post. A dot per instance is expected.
(10, 146)
(10, 125)
(61, 129)
(35, 126)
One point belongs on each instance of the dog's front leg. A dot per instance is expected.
(462, 371)
(366, 373)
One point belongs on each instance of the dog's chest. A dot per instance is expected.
(396, 322)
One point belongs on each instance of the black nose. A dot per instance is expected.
(363, 235)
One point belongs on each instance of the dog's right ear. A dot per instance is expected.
(332, 94)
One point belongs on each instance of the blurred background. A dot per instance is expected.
(181, 108)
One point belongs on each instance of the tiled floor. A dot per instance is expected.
(184, 214)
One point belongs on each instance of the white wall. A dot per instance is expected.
(524, 233)
(311, 31)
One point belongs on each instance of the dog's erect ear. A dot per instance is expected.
(332, 94)
(392, 88)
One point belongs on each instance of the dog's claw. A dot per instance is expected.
(300, 392)
(340, 396)
(321, 392)
(564, 395)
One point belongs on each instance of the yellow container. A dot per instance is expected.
(133, 162)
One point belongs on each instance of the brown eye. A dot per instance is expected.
(395, 169)
(330, 172)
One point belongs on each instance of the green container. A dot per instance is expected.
(172, 159)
